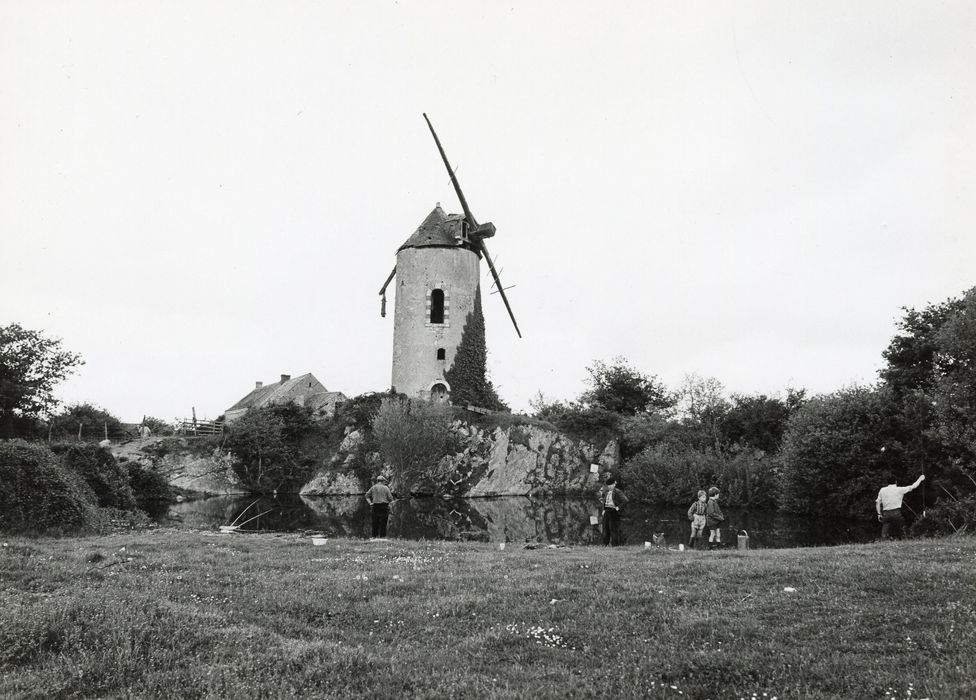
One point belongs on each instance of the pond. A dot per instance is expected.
(508, 519)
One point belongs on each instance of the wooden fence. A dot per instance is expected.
(199, 428)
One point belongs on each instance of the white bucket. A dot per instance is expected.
(681, 548)
(319, 541)
(594, 520)
(501, 545)
(647, 545)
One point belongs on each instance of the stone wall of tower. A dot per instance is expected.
(419, 271)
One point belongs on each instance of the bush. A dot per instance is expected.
(673, 474)
(593, 425)
(158, 426)
(413, 437)
(37, 492)
(106, 477)
(147, 484)
(833, 461)
(89, 420)
(499, 419)
(277, 448)
(954, 516)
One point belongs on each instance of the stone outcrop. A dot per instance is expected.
(330, 483)
(519, 460)
(185, 465)
(528, 460)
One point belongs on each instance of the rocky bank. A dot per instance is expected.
(518, 460)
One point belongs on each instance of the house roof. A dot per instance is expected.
(437, 230)
(266, 394)
(327, 398)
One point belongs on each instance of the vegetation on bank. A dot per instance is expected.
(826, 454)
(162, 612)
(68, 488)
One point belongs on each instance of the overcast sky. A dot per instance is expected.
(198, 195)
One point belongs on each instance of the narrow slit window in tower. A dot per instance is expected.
(437, 306)
(441, 354)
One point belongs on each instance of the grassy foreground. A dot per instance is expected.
(188, 614)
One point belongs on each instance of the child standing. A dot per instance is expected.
(713, 519)
(696, 514)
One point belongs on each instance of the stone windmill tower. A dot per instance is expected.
(438, 328)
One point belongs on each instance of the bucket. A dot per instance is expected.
(501, 546)
(743, 539)
(681, 548)
(594, 520)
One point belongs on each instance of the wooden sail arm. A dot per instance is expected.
(383, 291)
(457, 186)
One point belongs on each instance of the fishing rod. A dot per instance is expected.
(234, 524)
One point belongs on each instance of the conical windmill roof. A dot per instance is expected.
(437, 230)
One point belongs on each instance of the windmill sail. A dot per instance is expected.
(478, 233)
(383, 292)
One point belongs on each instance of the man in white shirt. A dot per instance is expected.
(888, 505)
(379, 498)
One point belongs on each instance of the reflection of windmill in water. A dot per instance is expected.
(438, 327)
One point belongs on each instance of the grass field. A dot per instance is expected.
(189, 614)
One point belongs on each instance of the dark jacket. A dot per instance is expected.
(619, 497)
(713, 513)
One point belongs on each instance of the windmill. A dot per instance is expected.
(437, 290)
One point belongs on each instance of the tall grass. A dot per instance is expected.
(195, 615)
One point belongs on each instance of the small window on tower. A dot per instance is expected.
(441, 354)
(437, 306)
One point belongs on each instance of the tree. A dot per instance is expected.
(94, 422)
(413, 436)
(276, 448)
(701, 403)
(911, 354)
(931, 371)
(468, 375)
(620, 388)
(31, 365)
(954, 381)
(755, 421)
(839, 449)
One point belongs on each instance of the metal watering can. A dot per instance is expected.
(743, 539)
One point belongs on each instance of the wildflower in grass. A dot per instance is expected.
(666, 687)
(544, 636)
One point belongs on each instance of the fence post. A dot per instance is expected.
(79, 431)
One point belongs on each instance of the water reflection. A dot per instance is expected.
(511, 519)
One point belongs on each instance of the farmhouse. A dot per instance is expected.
(305, 390)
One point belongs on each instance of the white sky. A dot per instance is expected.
(198, 195)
